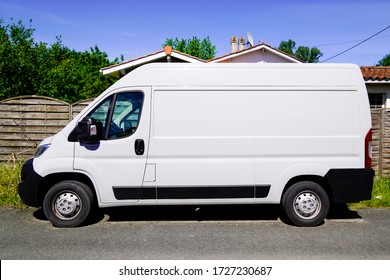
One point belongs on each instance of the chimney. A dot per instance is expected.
(168, 51)
(233, 44)
(241, 43)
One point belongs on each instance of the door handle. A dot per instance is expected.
(139, 147)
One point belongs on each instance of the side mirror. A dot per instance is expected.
(88, 130)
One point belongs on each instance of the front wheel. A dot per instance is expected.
(306, 204)
(68, 203)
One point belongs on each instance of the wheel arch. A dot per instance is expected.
(52, 179)
(312, 178)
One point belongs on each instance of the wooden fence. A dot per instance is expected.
(381, 141)
(26, 120)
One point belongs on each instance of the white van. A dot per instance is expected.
(298, 135)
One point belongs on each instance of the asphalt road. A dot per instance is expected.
(236, 232)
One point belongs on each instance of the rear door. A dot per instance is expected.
(117, 163)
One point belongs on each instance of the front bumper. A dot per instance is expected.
(29, 186)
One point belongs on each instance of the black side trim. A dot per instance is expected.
(205, 192)
(350, 185)
(262, 191)
(134, 193)
(194, 192)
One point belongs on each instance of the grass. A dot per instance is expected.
(10, 178)
(380, 194)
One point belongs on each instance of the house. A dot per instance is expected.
(261, 53)
(166, 55)
(377, 78)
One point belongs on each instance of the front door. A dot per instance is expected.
(117, 163)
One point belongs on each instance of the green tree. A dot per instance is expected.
(203, 49)
(73, 76)
(287, 46)
(31, 68)
(19, 55)
(385, 61)
(310, 55)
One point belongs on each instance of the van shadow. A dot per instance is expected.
(179, 213)
(214, 213)
(201, 213)
(342, 212)
(193, 213)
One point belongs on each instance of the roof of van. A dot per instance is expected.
(243, 74)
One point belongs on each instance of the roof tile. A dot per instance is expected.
(377, 73)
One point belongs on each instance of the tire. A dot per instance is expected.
(68, 203)
(306, 204)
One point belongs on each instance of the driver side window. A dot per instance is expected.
(119, 114)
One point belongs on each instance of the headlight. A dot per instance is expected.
(41, 149)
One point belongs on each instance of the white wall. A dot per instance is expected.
(259, 56)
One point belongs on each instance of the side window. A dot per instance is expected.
(120, 114)
(126, 114)
(376, 100)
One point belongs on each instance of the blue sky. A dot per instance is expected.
(135, 28)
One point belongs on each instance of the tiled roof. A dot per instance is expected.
(376, 73)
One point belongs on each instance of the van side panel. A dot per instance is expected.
(249, 138)
(203, 138)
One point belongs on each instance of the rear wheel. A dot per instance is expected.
(306, 204)
(68, 203)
